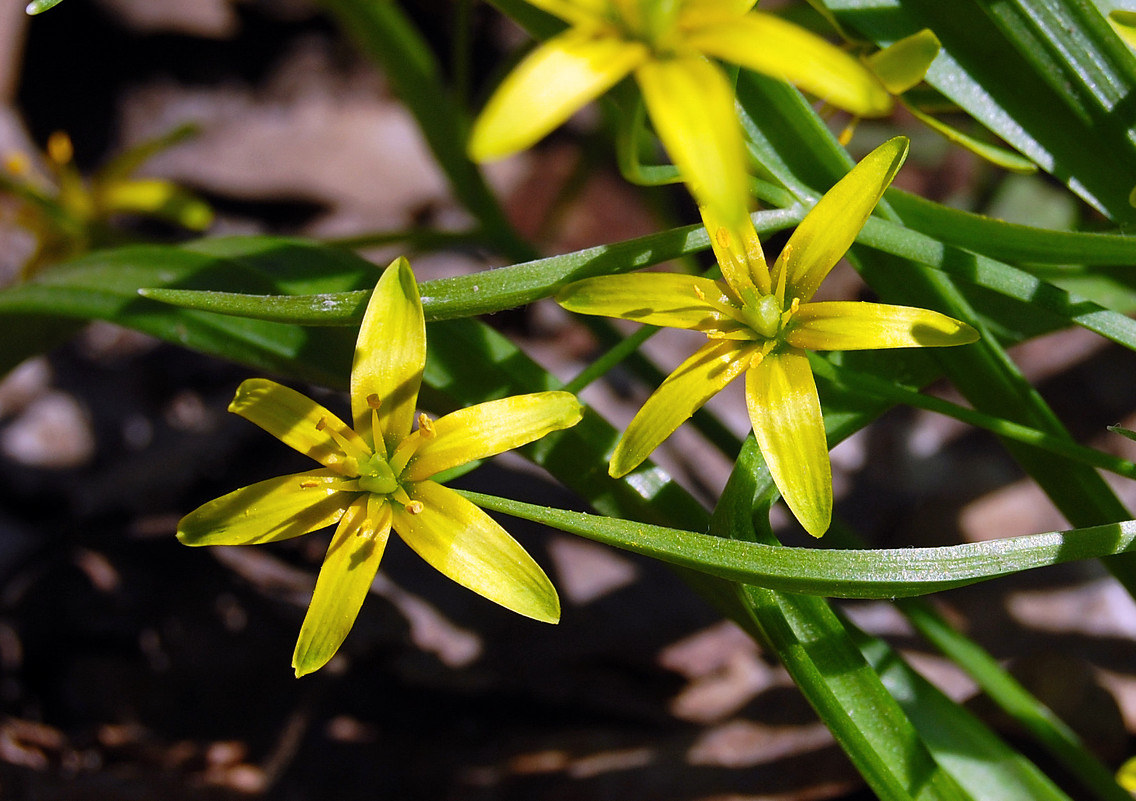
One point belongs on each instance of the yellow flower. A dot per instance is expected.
(69, 214)
(761, 323)
(376, 477)
(667, 45)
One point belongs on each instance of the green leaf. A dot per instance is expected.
(895, 393)
(1007, 241)
(981, 761)
(878, 573)
(478, 293)
(104, 286)
(1047, 76)
(40, 6)
(819, 652)
(1044, 726)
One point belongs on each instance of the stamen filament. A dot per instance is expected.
(350, 449)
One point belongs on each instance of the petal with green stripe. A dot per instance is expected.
(277, 509)
(465, 544)
(785, 412)
(853, 325)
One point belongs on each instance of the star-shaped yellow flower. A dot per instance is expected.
(760, 322)
(667, 45)
(376, 477)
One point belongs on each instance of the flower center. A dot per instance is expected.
(376, 476)
(765, 315)
(649, 21)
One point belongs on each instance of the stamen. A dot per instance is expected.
(783, 273)
(756, 359)
(796, 304)
(17, 163)
(374, 402)
(414, 507)
(309, 483)
(426, 426)
(59, 148)
(351, 450)
(723, 237)
(698, 293)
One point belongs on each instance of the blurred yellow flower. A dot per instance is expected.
(761, 323)
(667, 46)
(69, 214)
(376, 477)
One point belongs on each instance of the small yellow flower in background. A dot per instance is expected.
(903, 64)
(667, 45)
(376, 477)
(1126, 774)
(760, 322)
(69, 214)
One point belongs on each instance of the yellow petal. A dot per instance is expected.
(999, 156)
(390, 355)
(668, 299)
(466, 545)
(1124, 23)
(487, 429)
(346, 575)
(696, 13)
(268, 511)
(692, 108)
(851, 325)
(785, 412)
(300, 422)
(772, 46)
(738, 251)
(903, 65)
(548, 87)
(684, 392)
(576, 12)
(827, 232)
(157, 198)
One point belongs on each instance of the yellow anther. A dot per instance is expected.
(796, 304)
(59, 148)
(374, 401)
(309, 483)
(723, 237)
(426, 426)
(17, 163)
(349, 450)
(756, 360)
(414, 507)
(698, 293)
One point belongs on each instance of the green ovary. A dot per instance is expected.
(763, 314)
(376, 476)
